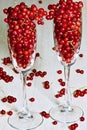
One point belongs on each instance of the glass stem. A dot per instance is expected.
(67, 89)
(25, 110)
(24, 91)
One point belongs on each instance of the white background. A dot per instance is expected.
(44, 99)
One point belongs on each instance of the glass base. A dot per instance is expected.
(26, 122)
(65, 115)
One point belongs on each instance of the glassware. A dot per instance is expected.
(67, 39)
(22, 46)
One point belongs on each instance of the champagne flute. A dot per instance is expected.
(22, 41)
(67, 39)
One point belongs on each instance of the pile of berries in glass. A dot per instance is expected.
(67, 20)
(22, 21)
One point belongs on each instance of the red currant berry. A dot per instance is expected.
(57, 95)
(34, 70)
(37, 54)
(40, 1)
(60, 80)
(4, 99)
(81, 55)
(62, 83)
(54, 122)
(81, 71)
(85, 91)
(29, 84)
(9, 113)
(82, 94)
(32, 99)
(78, 70)
(62, 91)
(3, 112)
(47, 115)
(59, 71)
(82, 118)
(43, 113)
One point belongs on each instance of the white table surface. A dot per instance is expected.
(44, 99)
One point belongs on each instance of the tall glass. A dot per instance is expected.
(22, 41)
(67, 38)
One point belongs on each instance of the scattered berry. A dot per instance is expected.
(54, 122)
(62, 91)
(59, 71)
(37, 54)
(62, 83)
(9, 113)
(40, 1)
(81, 55)
(34, 70)
(4, 99)
(45, 114)
(29, 84)
(46, 84)
(60, 80)
(82, 118)
(32, 99)
(3, 112)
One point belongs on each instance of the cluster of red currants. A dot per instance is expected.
(73, 126)
(3, 112)
(67, 27)
(7, 60)
(21, 21)
(35, 73)
(9, 99)
(80, 71)
(4, 76)
(61, 82)
(45, 114)
(80, 93)
(60, 93)
(46, 84)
